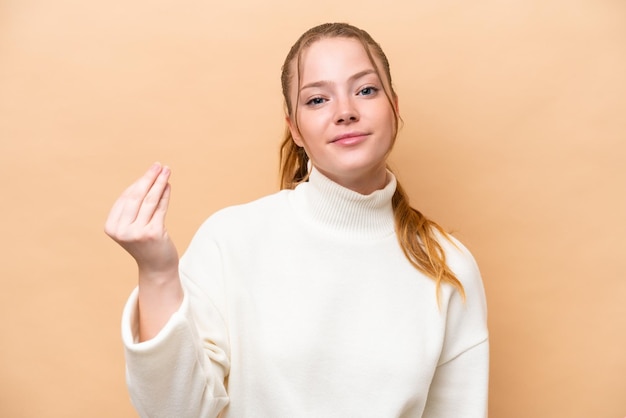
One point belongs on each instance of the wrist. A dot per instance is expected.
(160, 288)
(158, 278)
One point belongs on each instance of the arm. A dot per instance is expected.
(171, 370)
(459, 387)
(460, 384)
(136, 222)
(177, 373)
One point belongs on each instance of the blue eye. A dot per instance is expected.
(315, 101)
(368, 91)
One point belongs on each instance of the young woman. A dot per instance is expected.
(330, 298)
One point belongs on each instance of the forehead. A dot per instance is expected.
(330, 58)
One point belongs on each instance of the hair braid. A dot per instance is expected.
(417, 237)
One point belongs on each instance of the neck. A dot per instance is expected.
(363, 183)
(335, 209)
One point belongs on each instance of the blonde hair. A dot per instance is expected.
(417, 235)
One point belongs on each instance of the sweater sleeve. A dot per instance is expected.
(181, 372)
(460, 384)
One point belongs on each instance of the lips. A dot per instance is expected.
(349, 138)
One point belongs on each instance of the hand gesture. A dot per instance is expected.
(137, 223)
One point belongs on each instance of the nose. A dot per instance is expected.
(346, 111)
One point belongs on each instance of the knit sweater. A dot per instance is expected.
(302, 304)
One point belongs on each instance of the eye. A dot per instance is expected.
(367, 91)
(315, 101)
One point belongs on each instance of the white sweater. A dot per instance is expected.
(302, 304)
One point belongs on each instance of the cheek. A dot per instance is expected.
(384, 118)
(312, 125)
(390, 120)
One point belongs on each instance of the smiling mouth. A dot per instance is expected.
(349, 138)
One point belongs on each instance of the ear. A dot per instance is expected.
(396, 105)
(294, 132)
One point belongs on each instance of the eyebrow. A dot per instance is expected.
(352, 78)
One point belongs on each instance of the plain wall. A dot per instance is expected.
(514, 138)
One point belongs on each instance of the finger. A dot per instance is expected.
(161, 210)
(153, 197)
(133, 197)
(123, 206)
(110, 226)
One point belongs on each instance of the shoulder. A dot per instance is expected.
(458, 257)
(241, 217)
(463, 264)
(240, 227)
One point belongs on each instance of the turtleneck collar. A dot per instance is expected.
(339, 210)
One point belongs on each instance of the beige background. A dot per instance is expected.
(514, 138)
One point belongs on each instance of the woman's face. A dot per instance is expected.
(344, 119)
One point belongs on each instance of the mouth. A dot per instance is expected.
(349, 138)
